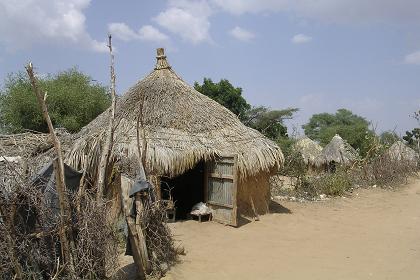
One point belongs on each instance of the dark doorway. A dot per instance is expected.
(186, 190)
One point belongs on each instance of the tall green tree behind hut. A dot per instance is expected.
(225, 94)
(73, 101)
(267, 121)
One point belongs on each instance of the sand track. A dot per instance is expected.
(373, 235)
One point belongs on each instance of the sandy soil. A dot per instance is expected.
(373, 235)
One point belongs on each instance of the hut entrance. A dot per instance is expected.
(186, 190)
(213, 182)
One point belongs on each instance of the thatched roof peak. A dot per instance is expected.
(400, 151)
(309, 149)
(182, 127)
(161, 62)
(338, 151)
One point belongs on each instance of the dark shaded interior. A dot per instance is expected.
(186, 190)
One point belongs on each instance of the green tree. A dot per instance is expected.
(226, 94)
(388, 138)
(269, 122)
(413, 137)
(353, 128)
(73, 101)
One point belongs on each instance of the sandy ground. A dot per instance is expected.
(373, 235)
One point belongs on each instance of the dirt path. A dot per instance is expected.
(375, 235)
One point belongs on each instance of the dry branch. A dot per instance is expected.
(107, 147)
(65, 236)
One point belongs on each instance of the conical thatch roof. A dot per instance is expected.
(309, 149)
(338, 151)
(182, 128)
(400, 151)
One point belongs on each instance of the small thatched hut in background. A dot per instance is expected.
(198, 148)
(337, 152)
(400, 151)
(309, 149)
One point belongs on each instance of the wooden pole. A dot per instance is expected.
(141, 148)
(107, 147)
(59, 173)
(142, 240)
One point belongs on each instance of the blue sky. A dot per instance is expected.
(315, 55)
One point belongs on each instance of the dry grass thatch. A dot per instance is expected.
(309, 149)
(400, 151)
(33, 148)
(182, 127)
(338, 151)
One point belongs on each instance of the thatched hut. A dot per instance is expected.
(400, 151)
(309, 150)
(198, 148)
(337, 152)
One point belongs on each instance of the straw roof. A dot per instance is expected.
(400, 151)
(182, 127)
(309, 149)
(36, 149)
(339, 151)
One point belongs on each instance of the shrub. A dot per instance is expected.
(73, 101)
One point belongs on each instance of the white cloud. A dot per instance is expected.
(343, 11)
(146, 33)
(150, 33)
(242, 34)
(187, 19)
(25, 23)
(412, 58)
(301, 39)
(122, 31)
(239, 7)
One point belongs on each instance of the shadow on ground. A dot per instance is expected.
(127, 272)
(277, 208)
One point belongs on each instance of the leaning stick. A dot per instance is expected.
(107, 148)
(59, 171)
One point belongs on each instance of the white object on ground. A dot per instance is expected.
(10, 159)
(200, 209)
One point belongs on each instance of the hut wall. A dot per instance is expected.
(256, 189)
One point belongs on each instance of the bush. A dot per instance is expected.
(73, 101)
(334, 184)
(384, 171)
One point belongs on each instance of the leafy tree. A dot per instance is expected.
(388, 138)
(226, 94)
(353, 128)
(413, 137)
(73, 101)
(269, 122)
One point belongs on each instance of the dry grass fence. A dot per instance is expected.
(381, 170)
(29, 237)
